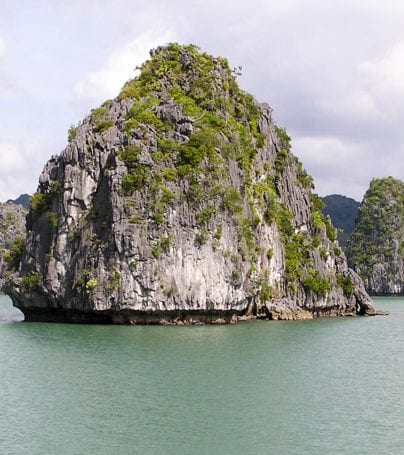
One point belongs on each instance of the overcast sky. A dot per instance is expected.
(333, 71)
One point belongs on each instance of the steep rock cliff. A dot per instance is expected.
(180, 201)
(376, 247)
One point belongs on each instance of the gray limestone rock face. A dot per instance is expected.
(180, 201)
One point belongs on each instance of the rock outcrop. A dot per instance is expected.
(376, 247)
(180, 201)
(12, 238)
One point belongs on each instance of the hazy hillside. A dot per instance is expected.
(343, 212)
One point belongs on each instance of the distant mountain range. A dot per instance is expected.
(21, 200)
(343, 212)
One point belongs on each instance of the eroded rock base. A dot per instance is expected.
(130, 317)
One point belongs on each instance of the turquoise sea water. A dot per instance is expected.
(327, 386)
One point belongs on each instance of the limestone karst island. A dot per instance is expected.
(179, 201)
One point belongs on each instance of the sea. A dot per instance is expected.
(324, 386)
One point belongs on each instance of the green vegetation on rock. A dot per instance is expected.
(14, 254)
(32, 282)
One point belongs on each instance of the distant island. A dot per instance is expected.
(376, 247)
(178, 202)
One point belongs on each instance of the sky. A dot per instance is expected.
(333, 72)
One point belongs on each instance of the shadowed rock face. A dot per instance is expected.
(179, 201)
(376, 248)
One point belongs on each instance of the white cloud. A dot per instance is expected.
(107, 81)
(320, 150)
(20, 165)
(2, 46)
(11, 157)
(386, 74)
(335, 164)
(355, 104)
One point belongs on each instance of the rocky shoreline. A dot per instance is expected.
(182, 318)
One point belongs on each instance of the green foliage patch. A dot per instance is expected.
(32, 282)
(13, 255)
(346, 284)
(316, 283)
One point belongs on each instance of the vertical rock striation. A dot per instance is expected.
(180, 201)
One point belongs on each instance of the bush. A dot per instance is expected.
(219, 232)
(14, 254)
(201, 237)
(131, 90)
(346, 284)
(332, 233)
(284, 219)
(53, 219)
(163, 245)
(270, 211)
(266, 292)
(304, 178)
(98, 114)
(316, 202)
(115, 278)
(318, 220)
(323, 253)
(91, 284)
(281, 160)
(232, 200)
(74, 235)
(316, 242)
(72, 133)
(39, 203)
(130, 155)
(103, 125)
(196, 193)
(32, 282)
(235, 277)
(316, 283)
(137, 179)
(168, 197)
(204, 216)
(170, 174)
(284, 138)
(199, 146)
(167, 147)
